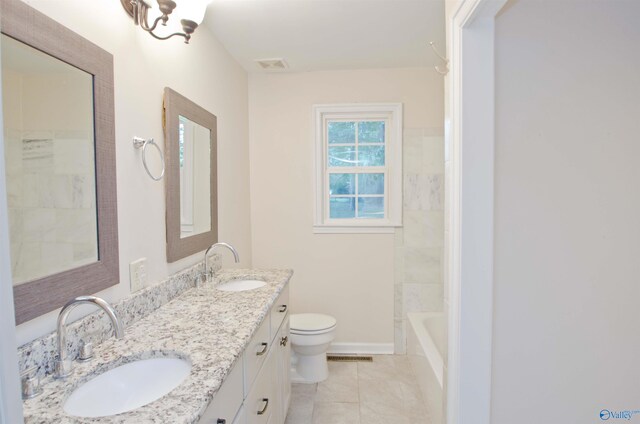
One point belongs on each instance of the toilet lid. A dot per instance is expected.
(311, 322)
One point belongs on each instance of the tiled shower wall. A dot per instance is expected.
(419, 243)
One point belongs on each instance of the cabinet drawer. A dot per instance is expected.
(228, 400)
(279, 311)
(256, 353)
(261, 403)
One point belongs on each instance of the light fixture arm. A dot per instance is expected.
(139, 11)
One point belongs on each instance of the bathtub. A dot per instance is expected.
(426, 338)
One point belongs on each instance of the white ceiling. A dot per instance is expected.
(329, 34)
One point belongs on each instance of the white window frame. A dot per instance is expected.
(391, 113)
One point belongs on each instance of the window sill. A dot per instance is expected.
(354, 229)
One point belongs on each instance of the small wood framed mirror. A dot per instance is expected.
(191, 176)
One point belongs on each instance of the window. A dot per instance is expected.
(358, 168)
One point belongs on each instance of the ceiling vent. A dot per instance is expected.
(272, 64)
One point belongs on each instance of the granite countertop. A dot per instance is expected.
(206, 326)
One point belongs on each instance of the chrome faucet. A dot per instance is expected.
(63, 363)
(208, 274)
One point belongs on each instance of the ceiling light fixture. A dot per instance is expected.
(190, 13)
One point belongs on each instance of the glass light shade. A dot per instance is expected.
(192, 10)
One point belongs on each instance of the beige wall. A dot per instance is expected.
(346, 275)
(202, 71)
(567, 208)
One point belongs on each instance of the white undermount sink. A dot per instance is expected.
(127, 387)
(241, 285)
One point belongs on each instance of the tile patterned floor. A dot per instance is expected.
(380, 392)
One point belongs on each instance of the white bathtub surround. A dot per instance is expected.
(206, 326)
(96, 327)
(418, 275)
(426, 348)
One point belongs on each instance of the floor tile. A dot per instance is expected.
(342, 384)
(336, 413)
(301, 407)
(384, 391)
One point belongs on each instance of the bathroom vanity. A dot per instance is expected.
(258, 388)
(237, 344)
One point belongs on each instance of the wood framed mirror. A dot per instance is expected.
(59, 138)
(191, 176)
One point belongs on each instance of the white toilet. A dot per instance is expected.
(311, 335)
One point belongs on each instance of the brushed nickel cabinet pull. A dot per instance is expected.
(266, 405)
(264, 349)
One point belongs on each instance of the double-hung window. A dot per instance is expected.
(358, 168)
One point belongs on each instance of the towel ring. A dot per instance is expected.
(142, 143)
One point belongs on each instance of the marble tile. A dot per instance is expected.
(398, 264)
(84, 252)
(412, 160)
(45, 192)
(28, 258)
(434, 228)
(397, 301)
(423, 228)
(37, 154)
(31, 191)
(76, 226)
(413, 133)
(398, 236)
(423, 192)
(423, 298)
(56, 257)
(336, 413)
(73, 155)
(37, 221)
(82, 191)
(422, 265)
(342, 384)
(432, 155)
(62, 191)
(415, 228)
(14, 191)
(400, 336)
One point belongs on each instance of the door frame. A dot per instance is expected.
(469, 138)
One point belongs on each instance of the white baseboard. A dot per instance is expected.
(361, 348)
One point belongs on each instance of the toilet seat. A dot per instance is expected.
(310, 324)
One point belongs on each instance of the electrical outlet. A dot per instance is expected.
(138, 274)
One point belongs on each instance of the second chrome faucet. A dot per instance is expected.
(209, 274)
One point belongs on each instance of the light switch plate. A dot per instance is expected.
(138, 274)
